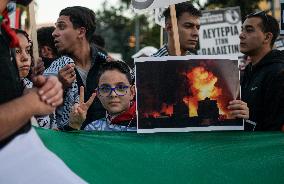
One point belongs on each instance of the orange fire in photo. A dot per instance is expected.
(202, 84)
(166, 110)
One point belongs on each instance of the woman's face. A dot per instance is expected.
(23, 56)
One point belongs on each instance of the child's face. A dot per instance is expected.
(117, 100)
(23, 56)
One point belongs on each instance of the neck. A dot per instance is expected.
(171, 47)
(112, 116)
(82, 56)
(255, 58)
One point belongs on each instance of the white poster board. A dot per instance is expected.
(186, 93)
(219, 32)
(159, 17)
(145, 5)
(282, 17)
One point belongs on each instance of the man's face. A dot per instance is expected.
(65, 35)
(114, 103)
(188, 28)
(23, 56)
(251, 37)
(46, 52)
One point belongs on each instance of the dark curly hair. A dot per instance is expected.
(20, 31)
(81, 17)
(45, 38)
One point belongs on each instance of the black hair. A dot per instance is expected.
(20, 31)
(116, 65)
(183, 8)
(81, 17)
(45, 38)
(99, 40)
(268, 24)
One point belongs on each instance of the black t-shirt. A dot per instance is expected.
(11, 86)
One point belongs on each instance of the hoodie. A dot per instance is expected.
(263, 91)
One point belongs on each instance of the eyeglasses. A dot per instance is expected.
(106, 90)
(262, 15)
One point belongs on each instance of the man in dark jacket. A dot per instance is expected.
(262, 84)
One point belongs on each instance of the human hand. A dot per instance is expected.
(38, 81)
(110, 59)
(238, 109)
(39, 108)
(50, 89)
(79, 111)
(67, 75)
(244, 62)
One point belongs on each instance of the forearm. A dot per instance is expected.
(13, 115)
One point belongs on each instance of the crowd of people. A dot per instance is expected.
(77, 86)
(74, 56)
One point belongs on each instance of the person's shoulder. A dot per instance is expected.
(163, 51)
(27, 83)
(276, 61)
(93, 126)
(274, 71)
(63, 60)
(275, 56)
(98, 54)
(57, 65)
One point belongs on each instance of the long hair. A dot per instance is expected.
(20, 31)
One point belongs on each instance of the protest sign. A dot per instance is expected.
(13, 14)
(188, 93)
(159, 18)
(146, 5)
(219, 32)
(282, 17)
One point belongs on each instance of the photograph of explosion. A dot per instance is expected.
(188, 93)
